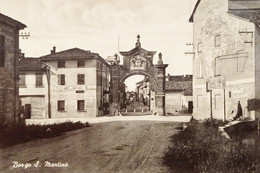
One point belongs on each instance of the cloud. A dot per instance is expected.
(96, 25)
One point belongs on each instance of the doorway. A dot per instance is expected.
(27, 111)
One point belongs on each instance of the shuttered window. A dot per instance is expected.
(61, 105)
(2, 51)
(39, 80)
(81, 79)
(61, 79)
(22, 82)
(81, 63)
(81, 105)
(61, 64)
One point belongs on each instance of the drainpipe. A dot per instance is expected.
(211, 113)
(49, 92)
(101, 103)
(224, 105)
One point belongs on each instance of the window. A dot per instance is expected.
(81, 105)
(39, 80)
(199, 48)
(98, 65)
(22, 83)
(230, 64)
(61, 105)
(218, 101)
(217, 40)
(61, 64)
(81, 63)
(199, 69)
(61, 79)
(101, 67)
(81, 79)
(229, 94)
(2, 51)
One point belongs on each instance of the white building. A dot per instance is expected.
(178, 94)
(75, 84)
(226, 62)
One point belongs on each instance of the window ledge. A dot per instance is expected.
(39, 86)
(199, 77)
(82, 111)
(61, 111)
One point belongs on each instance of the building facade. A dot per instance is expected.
(9, 54)
(178, 94)
(75, 84)
(226, 45)
(33, 88)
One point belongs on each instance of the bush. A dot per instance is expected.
(21, 133)
(200, 149)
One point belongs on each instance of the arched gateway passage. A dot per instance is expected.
(139, 61)
(138, 72)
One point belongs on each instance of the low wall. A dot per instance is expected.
(238, 129)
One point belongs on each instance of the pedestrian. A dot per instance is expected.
(239, 111)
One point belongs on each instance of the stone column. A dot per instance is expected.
(159, 94)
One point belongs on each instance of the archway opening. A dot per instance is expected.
(137, 95)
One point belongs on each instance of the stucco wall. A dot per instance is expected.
(232, 58)
(185, 102)
(35, 96)
(68, 93)
(30, 81)
(38, 106)
(173, 102)
(71, 92)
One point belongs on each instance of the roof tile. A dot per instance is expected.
(253, 15)
(31, 64)
(70, 53)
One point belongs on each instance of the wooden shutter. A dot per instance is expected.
(62, 79)
(39, 79)
(81, 104)
(2, 51)
(59, 79)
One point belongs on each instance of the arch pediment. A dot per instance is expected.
(137, 50)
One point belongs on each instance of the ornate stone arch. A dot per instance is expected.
(139, 61)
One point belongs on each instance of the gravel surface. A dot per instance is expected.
(110, 147)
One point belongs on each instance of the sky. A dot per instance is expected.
(106, 26)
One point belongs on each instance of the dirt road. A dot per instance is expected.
(113, 147)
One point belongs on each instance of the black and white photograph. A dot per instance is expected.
(129, 86)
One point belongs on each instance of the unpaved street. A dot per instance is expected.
(123, 147)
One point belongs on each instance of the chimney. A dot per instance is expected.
(53, 50)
